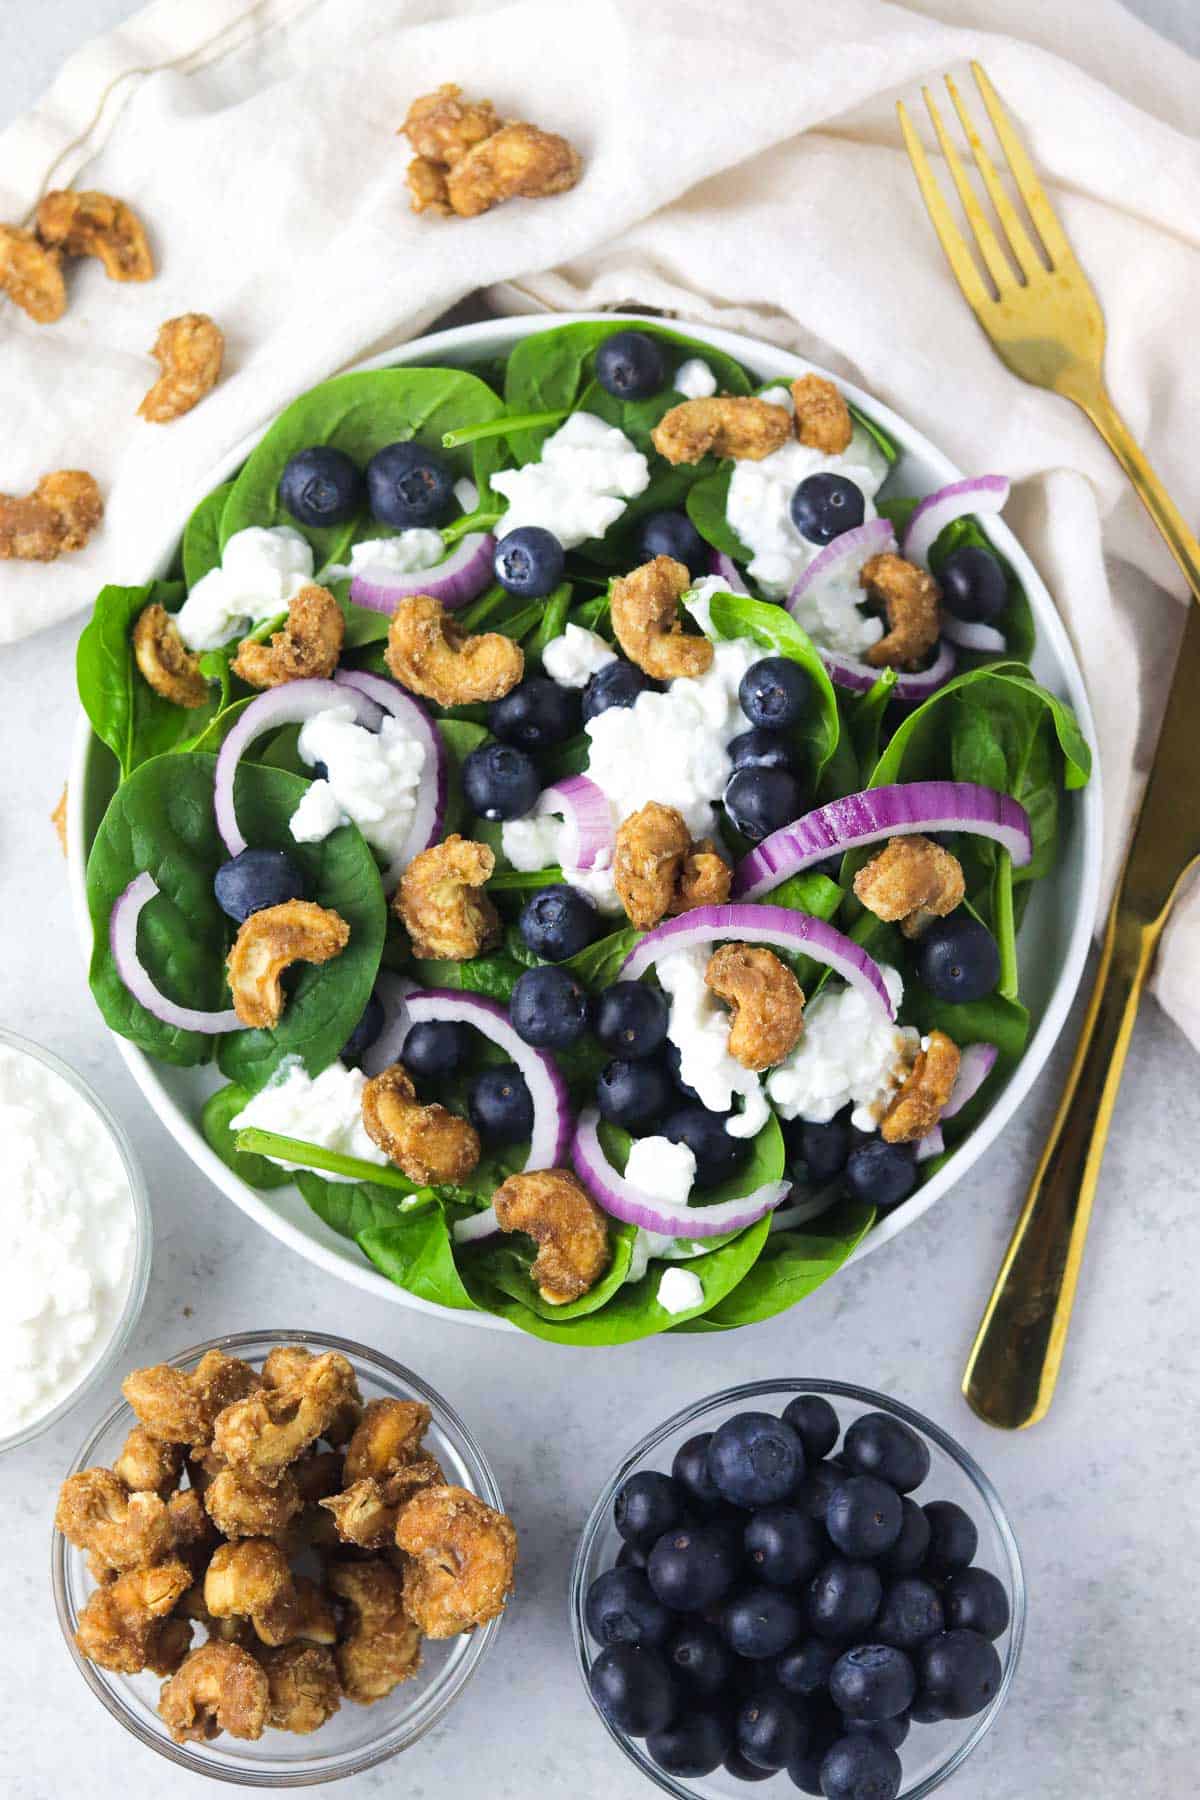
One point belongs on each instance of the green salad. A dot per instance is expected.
(584, 810)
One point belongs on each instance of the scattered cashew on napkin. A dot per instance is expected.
(742, 167)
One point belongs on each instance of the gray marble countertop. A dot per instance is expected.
(1103, 1494)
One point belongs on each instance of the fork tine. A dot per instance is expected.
(1020, 242)
(998, 266)
(952, 241)
(1028, 186)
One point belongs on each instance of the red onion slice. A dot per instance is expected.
(621, 1200)
(853, 546)
(932, 1144)
(477, 1229)
(895, 810)
(584, 808)
(430, 809)
(392, 992)
(724, 566)
(455, 580)
(122, 941)
(787, 1218)
(762, 925)
(970, 635)
(982, 494)
(290, 704)
(848, 672)
(975, 1065)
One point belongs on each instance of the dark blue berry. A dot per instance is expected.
(960, 1671)
(860, 1767)
(825, 1728)
(863, 1516)
(824, 1148)
(843, 1599)
(694, 1567)
(819, 1482)
(806, 1667)
(783, 1545)
(694, 1744)
(973, 584)
(881, 1174)
(771, 1729)
(872, 1681)
(499, 1105)
(633, 1094)
(672, 534)
(548, 1008)
(621, 1608)
(741, 1769)
(690, 1470)
(529, 562)
(616, 684)
(775, 693)
(535, 715)
(911, 1612)
(632, 1019)
(974, 1600)
(630, 365)
(958, 959)
(877, 1444)
(500, 782)
(908, 1552)
(408, 484)
(762, 800)
(927, 1711)
(953, 1538)
(891, 1732)
(761, 748)
(558, 922)
(761, 1621)
(321, 486)
(825, 505)
(755, 1459)
(433, 1049)
(632, 1686)
(369, 1026)
(700, 1658)
(632, 1556)
(256, 879)
(648, 1504)
(675, 1068)
(718, 1156)
(815, 1423)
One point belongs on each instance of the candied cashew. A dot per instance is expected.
(264, 1434)
(189, 350)
(430, 1144)
(440, 903)
(287, 1363)
(644, 607)
(461, 1553)
(303, 1687)
(270, 941)
(219, 1687)
(61, 514)
(910, 598)
(251, 1579)
(704, 879)
(518, 162)
(389, 1434)
(382, 1646)
(164, 660)
(239, 1506)
(430, 654)
(31, 275)
(912, 880)
(180, 1406)
(119, 1626)
(366, 1513)
(823, 419)
(94, 224)
(553, 1208)
(765, 999)
(427, 187)
(442, 127)
(648, 859)
(306, 649)
(919, 1103)
(96, 1512)
(147, 1465)
(737, 425)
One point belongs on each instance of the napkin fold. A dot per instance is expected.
(742, 167)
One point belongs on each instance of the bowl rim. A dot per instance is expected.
(436, 1701)
(143, 1242)
(886, 1403)
(457, 342)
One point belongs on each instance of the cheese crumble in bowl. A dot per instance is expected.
(79, 1236)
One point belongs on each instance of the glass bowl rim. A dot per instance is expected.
(870, 1397)
(355, 1762)
(143, 1245)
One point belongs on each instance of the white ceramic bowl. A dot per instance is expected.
(1054, 933)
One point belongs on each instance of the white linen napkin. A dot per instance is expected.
(742, 166)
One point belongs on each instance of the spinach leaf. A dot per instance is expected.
(415, 1251)
(876, 433)
(218, 1110)
(124, 710)
(733, 615)
(818, 896)
(253, 1140)
(865, 718)
(1016, 622)
(919, 741)
(597, 964)
(201, 547)
(992, 1020)
(460, 736)
(349, 1207)
(555, 608)
(495, 976)
(706, 509)
(792, 1264)
(360, 414)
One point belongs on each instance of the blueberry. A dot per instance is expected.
(864, 1516)
(761, 748)
(974, 1600)
(254, 880)
(908, 1552)
(499, 1105)
(843, 1599)
(891, 1732)
(911, 1612)
(771, 1729)
(805, 1668)
(321, 486)
(690, 1470)
(958, 959)
(760, 801)
(633, 1094)
(926, 1711)
(500, 782)
(535, 715)
(433, 1049)
(872, 1681)
(860, 1767)
(691, 1569)
(647, 1505)
(369, 1026)
(632, 1556)
(819, 1482)
(761, 1621)
(632, 1686)
(741, 1769)
(549, 1008)
(408, 484)
(775, 693)
(825, 505)
(825, 1728)
(783, 1545)
(675, 1067)
(622, 1609)
(616, 684)
(672, 534)
(877, 1444)
(755, 1459)
(824, 1148)
(631, 1020)
(973, 584)
(558, 922)
(718, 1156)
(630, 365)
(960, 1671)
(529, 562)
(694, 1744)
(701, 1658)
(815, 1423)
(953, 1538)
(881, 1174)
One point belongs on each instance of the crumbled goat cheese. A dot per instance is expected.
(402, 554)
(699, 1025)
(372, 779)
(324, 1109)
(576, 656)
(850, 1053)
(680, 1291)
(261, 570)
(694, 379)
(587, 474)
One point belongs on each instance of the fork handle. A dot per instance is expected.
(1096, 402)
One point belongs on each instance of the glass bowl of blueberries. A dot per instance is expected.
(798, 1581)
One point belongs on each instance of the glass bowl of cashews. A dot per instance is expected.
(280, 1558)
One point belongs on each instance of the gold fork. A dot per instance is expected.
(1044, 321)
